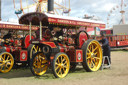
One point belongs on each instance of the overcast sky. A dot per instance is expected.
(99, 8)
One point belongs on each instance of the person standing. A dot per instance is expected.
(105, 45)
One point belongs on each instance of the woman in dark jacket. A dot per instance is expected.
(105, 46)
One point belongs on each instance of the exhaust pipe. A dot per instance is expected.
(51, 6)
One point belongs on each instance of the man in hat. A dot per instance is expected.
(105, 45)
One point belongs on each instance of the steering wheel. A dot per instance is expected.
(47, 33)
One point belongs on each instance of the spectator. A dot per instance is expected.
(105, 45)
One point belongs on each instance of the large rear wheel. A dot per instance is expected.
(60, 65)
(39, 64)
(6, 62)
(92, 55)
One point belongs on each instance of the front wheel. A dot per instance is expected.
(92, 55)
(6, 62)
(38, 64)
(60, 65)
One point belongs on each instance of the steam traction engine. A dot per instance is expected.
(61, 43)
(13, 48)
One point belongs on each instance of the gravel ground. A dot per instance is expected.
(116, 75)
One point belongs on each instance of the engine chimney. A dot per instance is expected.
(51, 6)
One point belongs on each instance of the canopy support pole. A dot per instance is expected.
(95, 32)
(40, 30)
(30, 28)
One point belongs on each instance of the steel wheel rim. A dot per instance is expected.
(40, 64)
(34, 49)
(62, 65)
(6, 62)
(94, 56)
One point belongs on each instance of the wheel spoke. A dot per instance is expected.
(38, 58)
(61, 58)
(35, 65)
(7, 57)
(65, 63)
(58, 60)
(1, 67)
(44, 61)
(88, 54)
(95, 49)
(88, 57)
(92, 47)
(89, 64)
(40, 69)
(4, 67)
(89, 50)
(1, 64)
(4, 57)
(63, 69)
(39, 49)
(35, 49)
(7, 66)
(8, 60)
(37, 69)
(1, 57)
(42, 66)
(92, 64)
(95, 53)
(96, 58)
(56, 64)
(59, 70)
(57, 67)
(8, 63)
(65, 66)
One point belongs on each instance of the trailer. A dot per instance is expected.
(117, 36)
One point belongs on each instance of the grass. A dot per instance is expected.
(118, 71)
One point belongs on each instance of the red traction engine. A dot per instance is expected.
(13, 51)
(60, 47)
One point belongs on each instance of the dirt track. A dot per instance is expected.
(116, 75)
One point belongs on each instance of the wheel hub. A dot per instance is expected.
(38, 64)
(4, 62)
(61, 65)
(92, 55)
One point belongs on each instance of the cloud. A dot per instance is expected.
(78, 9)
